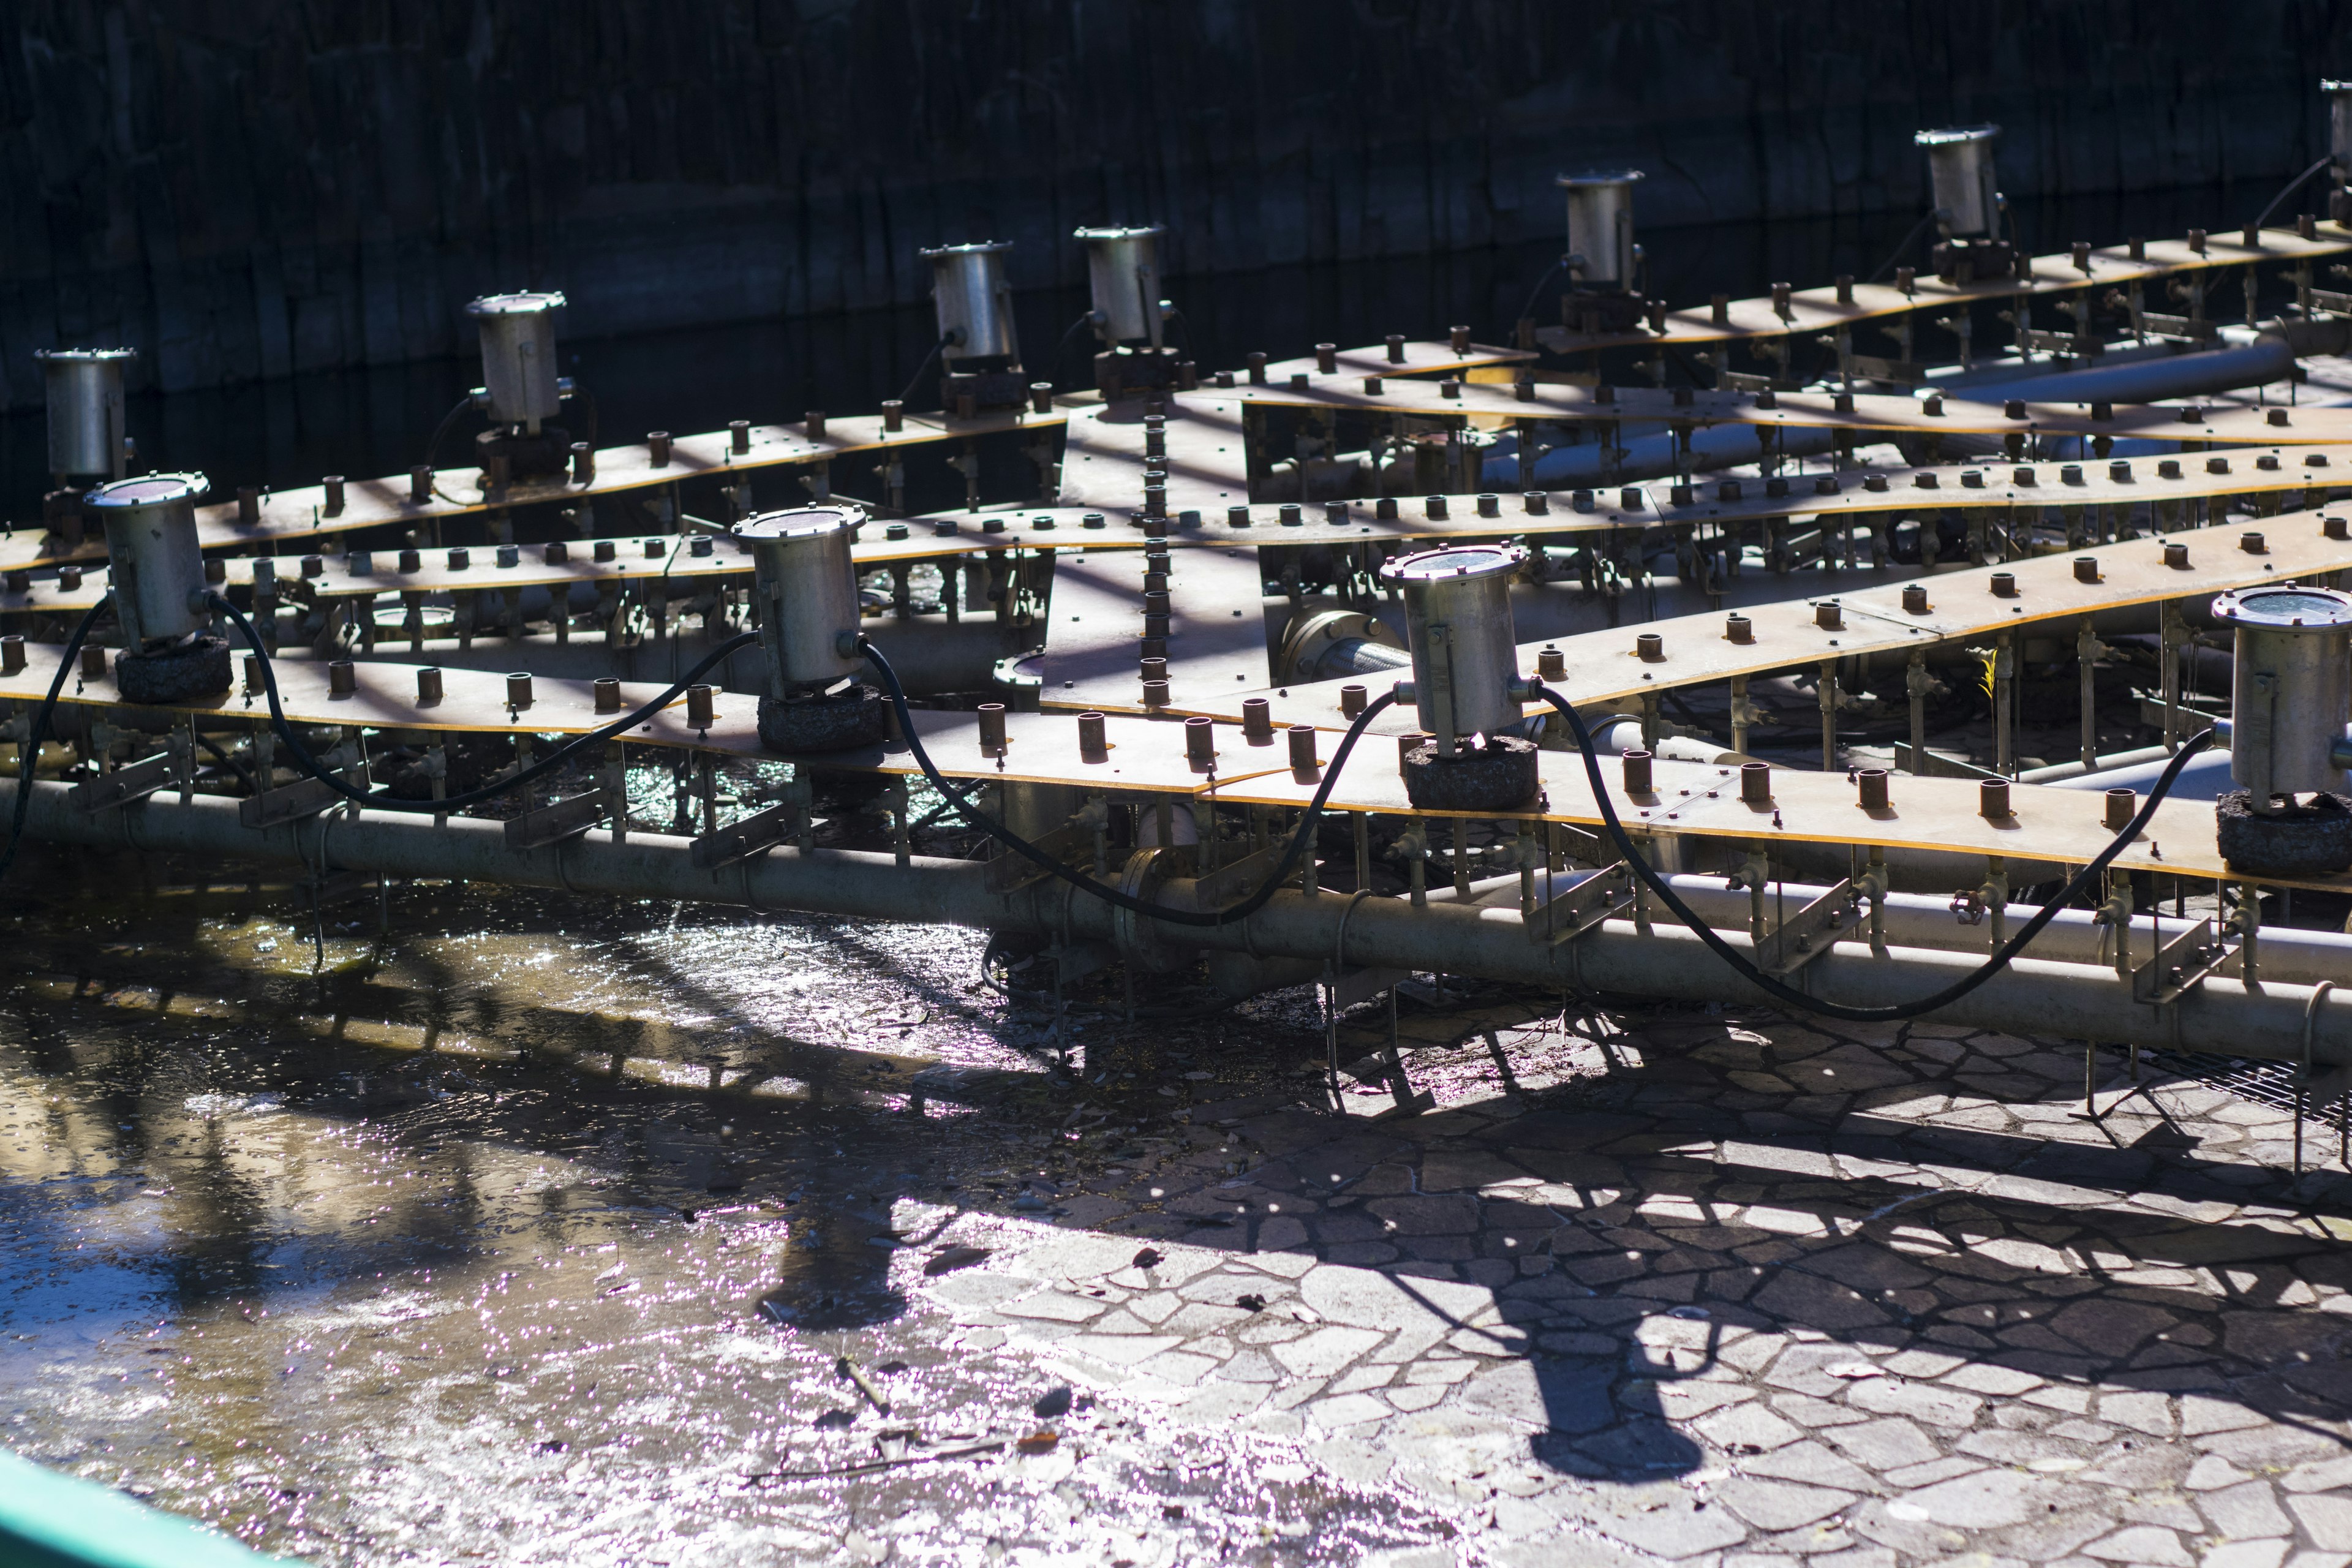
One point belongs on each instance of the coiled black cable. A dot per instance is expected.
(2291, 185)
(1053, 363)
(1887, 266)
(916, 379)
(1045, 862)
(441, 431)
(1789, 995)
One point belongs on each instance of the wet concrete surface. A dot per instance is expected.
(555, 1230)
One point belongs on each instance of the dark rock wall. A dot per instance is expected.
(247, 188)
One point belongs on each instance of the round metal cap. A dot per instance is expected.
(1454, 563)
(2329, 86)
(1113, 232)
(1600, 177)
(800, 522)
(147, 490)
(2286, 607)
(1950, 134)
(976, 248)
(514, 304)
(85, 356)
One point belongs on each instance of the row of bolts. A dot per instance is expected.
(1199, 741)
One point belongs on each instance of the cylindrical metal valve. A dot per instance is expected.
(84, 388)
(2291, 689)
(972, 300)
(2339, 128)
(1458, 612)
(518, 370)
(1123, 275)
(153, 551)
(1600, 227)
(806, 586)
(1959, 168)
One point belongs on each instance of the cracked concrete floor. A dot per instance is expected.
(1647, 1284)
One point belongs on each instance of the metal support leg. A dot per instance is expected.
(2171, 634)
(2004, 679)
(1918, 683)
(2086, 652)
(902, 842)
(615, 783)
(1995, 893)
(1829, 693)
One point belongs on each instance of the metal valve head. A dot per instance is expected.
(2340, 126)
(1961, 171)
(2292, 687)
(1600, 227)
(807, 585)
(84, 391)
(153, 551)
(1457, 609)
(973, 299)
(1123, 277)
(518, 370)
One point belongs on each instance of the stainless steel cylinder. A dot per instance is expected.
(806, 586)
(1600, 227)
(1959, 168)
(84, 388)
(2340, 126)
(2291, 687)
(972, 300)
(151, 551)
(518, 368)
(1458, 616)
(1123, 274)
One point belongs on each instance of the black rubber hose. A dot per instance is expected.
(1789, 995)
(1887, 266)
(243, 773)
(917, 380)
(40, 731)
(546, 764)
(580, 393)
(1054, 364)
(1536, 293)
(1045, 862)
(441, 431)
(2291, 185)
(1176, 318)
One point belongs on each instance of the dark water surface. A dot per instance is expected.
(288, 432)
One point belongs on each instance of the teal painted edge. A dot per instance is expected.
(52, 1520)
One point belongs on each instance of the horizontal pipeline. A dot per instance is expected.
(2032, 996)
